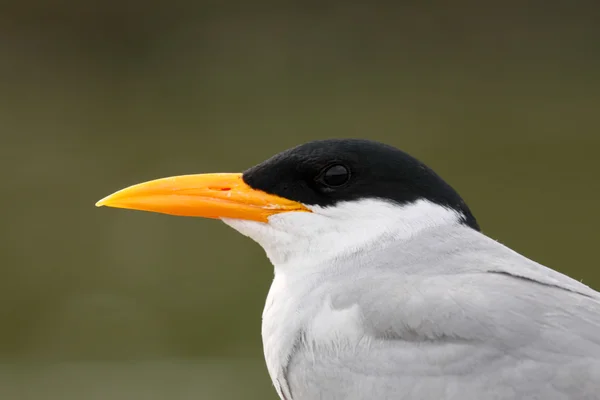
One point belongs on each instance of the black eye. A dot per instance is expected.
(335, 176)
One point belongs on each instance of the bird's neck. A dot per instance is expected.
(321, 241)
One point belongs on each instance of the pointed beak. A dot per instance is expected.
(203, 195)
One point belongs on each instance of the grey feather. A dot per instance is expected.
(454, 315)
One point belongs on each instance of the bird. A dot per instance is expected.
(385, 286)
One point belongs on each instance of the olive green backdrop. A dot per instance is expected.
(501, 98)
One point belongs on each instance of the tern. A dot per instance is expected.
(384, 285)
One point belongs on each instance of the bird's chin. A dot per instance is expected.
(279, 236)
(252, 229)
(262, 233)
(278, 227)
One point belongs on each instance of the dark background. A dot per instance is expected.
(501, 98)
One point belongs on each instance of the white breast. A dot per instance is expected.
(334, 327)
(299, 315)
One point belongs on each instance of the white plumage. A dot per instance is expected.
(373, 300)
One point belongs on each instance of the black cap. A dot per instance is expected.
(326, 172)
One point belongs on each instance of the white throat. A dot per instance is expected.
(300, 238)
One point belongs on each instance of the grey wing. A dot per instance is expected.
(458, 316)
(494, 334)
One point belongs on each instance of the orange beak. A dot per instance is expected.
(204, 195)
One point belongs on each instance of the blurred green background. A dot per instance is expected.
(501, 98)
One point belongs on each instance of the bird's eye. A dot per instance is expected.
(335, 176)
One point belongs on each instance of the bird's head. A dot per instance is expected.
(322, 198)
